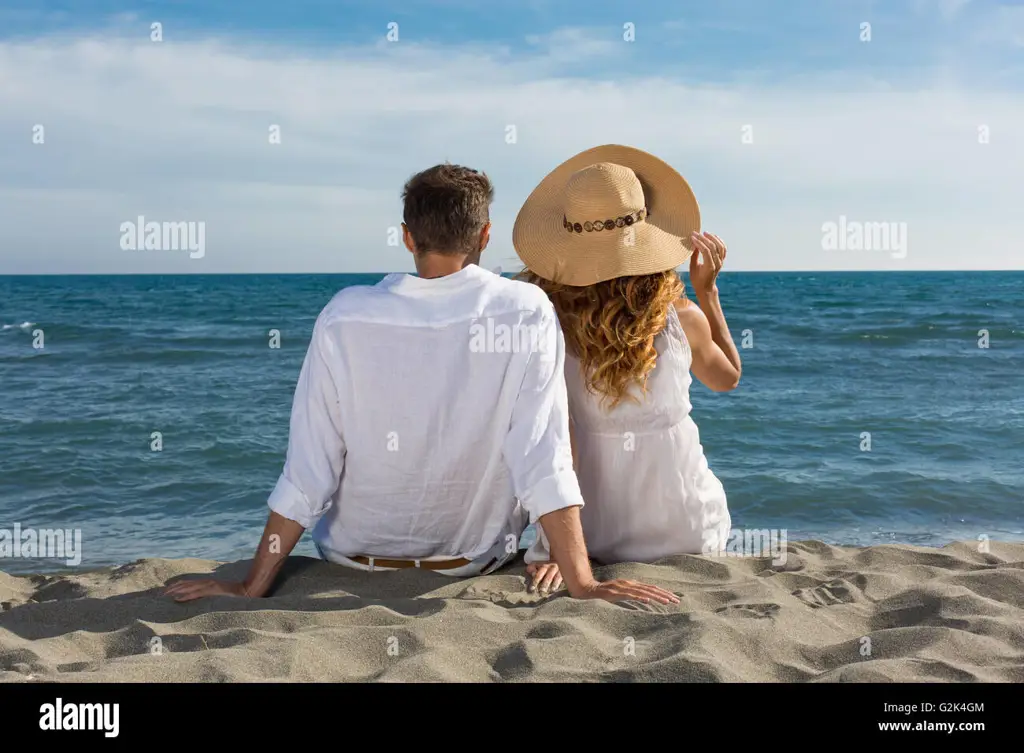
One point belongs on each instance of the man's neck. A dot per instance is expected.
(430, 266)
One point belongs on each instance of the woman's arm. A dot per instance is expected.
(716, 362)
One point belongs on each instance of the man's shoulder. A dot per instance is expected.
(498, 296)
(520, 295)
(350, 303)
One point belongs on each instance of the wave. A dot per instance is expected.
(23, 325)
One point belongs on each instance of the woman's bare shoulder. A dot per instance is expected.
(693, 322)
(688, 311)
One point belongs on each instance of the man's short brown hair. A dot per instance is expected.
(446, 208)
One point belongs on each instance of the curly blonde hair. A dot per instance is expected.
(610, 327)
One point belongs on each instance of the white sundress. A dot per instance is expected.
(646, 484)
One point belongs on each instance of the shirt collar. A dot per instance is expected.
(405, 283)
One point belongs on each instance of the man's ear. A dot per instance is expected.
(407, 239)
(485, 236)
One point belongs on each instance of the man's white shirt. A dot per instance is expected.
(426, 413)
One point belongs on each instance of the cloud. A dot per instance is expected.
(1004, 26)
(946, 9)
(576, 45)
(179, 132)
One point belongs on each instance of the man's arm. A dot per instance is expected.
(569, 551)
(312, 473)
(572, 445)
(279, 539)
(539, 453)
(537, 448)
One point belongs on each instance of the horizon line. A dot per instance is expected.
(336, 274)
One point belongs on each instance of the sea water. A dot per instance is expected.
(151, 413)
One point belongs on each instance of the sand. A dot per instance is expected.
(885, 613)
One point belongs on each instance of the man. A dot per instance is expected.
(418, 438)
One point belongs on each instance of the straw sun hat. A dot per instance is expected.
(611, 211)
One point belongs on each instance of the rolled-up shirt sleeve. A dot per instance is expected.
(316, 447)
(537, 448)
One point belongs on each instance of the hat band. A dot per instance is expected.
(598, 225)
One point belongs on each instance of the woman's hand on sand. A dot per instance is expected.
(628, 590)
(546, 577)
(187, 590)
(706, 262)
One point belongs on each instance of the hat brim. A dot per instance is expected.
(658, 243)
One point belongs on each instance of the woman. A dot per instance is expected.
(603, 235)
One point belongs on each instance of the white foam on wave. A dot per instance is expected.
(23, 325)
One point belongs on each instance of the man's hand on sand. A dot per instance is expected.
(187, 590)
(546, 577)
(627, 590)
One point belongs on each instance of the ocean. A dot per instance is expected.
(151, 412)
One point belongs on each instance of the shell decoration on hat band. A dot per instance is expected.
(599, 225)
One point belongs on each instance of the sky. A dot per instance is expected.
(783, 115)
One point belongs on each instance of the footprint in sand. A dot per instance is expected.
(759, 611)
(827, 595)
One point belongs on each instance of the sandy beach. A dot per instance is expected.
(884, 613)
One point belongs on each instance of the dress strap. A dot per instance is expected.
(674, 328)
(673, 324)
